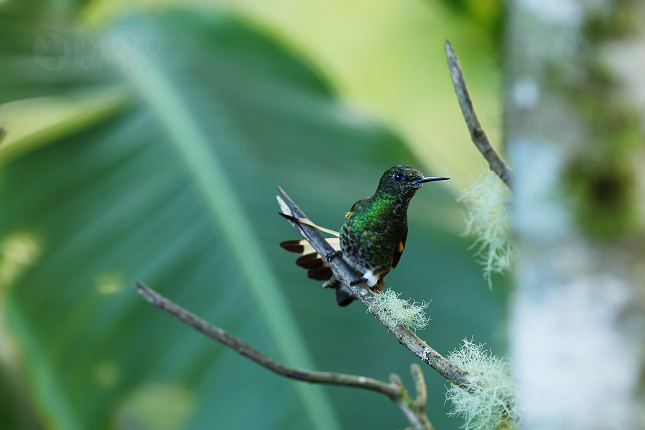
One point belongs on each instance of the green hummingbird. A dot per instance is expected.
(372, 238)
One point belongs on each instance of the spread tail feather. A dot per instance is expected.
(316, 266)
(303, 247)
(309, 223)
(344, 296)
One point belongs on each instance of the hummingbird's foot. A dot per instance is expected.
(333, 254)
(357, 281)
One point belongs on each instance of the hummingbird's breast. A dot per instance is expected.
(370, 235)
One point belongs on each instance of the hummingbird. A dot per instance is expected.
(372, 238)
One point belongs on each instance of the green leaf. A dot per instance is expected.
(39, 121)
(177, 189)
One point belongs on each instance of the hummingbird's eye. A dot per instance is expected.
(397, 177)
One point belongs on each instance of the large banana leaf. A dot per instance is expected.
(172, 182)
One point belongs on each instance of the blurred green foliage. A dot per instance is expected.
(111, 183)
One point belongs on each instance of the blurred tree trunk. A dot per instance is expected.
(575, 110)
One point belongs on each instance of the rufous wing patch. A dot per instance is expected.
(400, 247)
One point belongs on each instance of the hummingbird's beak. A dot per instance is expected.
(430, 179)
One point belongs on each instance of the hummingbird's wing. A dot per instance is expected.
(400, 247)
(356, 206)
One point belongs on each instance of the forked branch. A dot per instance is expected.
(414, 409)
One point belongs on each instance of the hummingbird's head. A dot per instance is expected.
(403, 181)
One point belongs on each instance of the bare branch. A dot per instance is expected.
(394, 391)
(477, 133)
(404, 335)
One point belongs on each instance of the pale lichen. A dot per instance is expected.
(395, 311)
(493, 402)
(487, 201)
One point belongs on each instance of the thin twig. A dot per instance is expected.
(415, 414)
(477, 133)
(418, 405)
(394, 391)
(420, 384)
(406, 337)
